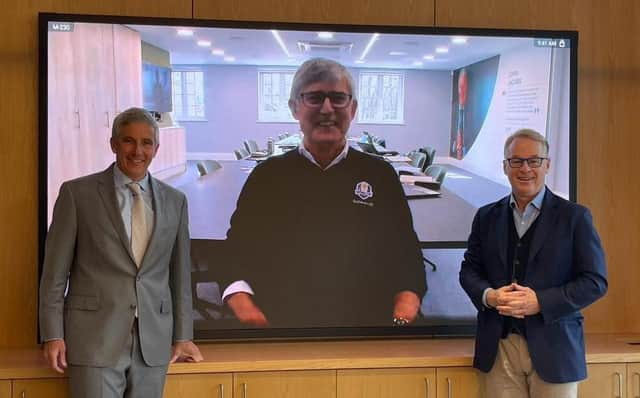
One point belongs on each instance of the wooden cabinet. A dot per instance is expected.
(633, 380)
(459, 382)
(199, 386)
(40, 388)
(289, 384)
(387, 383)
(127, 54)
(171, 158)
(94, 72)
(5, 389)
(604, 380)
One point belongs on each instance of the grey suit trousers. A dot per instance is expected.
(130, 377)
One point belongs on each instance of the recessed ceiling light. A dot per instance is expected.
(459, 40)
(397, 53)
(325, 35)
(442, 50)
(229, 58)
(359, 61)
(204, 43)
(372, 40)
(185, 32)
(429, 57)
(417, 63)
(276, 35)
(217, 51)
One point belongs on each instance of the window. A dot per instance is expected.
(273, 96)
(188, 94)
(381, 97)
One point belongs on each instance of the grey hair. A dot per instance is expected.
(317, 70)
(134, 115)
(530, 134)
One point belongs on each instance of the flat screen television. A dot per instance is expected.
(455, 93)
(156, 87)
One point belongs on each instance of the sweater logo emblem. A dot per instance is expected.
(364, 190)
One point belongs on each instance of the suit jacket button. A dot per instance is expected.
(138, 278)
(132, 306)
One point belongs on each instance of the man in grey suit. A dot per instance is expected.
(119, 244)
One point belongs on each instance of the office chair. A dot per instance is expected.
(417, 159)
(241, 153)
(207, 166)
(438, 173)
(380, 141)
(252, 147)
(431, 155)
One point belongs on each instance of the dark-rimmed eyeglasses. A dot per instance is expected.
(315, 99)
(534, 163)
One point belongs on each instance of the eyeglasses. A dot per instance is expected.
(315, 99)
(534, 163)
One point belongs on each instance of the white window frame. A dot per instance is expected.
(284, 116)
(363, 103)
(187, 97)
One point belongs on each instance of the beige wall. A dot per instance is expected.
(608, 96)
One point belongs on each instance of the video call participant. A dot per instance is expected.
(120, 239)
(322, 235)
(533, 261)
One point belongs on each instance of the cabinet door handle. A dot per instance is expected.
(449, 389)
(619, 377)
(638, 375)
(428, 384)
(221, 390)
(108, 121)
(23, 394)
(244, 390)
(77, 113)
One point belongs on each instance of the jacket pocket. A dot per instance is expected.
(85, 303)
(165, 306)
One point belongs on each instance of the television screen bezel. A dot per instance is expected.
(452, 330)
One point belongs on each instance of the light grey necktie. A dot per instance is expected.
(139, 231)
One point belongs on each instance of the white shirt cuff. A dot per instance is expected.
(484, 297)
(236, 287)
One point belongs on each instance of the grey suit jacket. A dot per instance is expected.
(87, 246)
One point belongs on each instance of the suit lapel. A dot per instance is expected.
(158, 203)
(107, 192)
(502, 230)
(546, 220)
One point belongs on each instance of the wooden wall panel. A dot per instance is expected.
(19, 145)
(362, 12)
(608, 95)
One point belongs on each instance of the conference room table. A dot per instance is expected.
(442, 221)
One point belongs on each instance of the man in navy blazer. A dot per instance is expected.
(533, 261)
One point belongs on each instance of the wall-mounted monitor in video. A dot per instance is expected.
(450, 94)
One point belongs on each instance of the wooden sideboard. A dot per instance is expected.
(340, 369)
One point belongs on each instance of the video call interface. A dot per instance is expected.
(220, 95)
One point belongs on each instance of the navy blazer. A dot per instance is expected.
(566, 269)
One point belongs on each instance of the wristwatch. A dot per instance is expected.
(400, 321)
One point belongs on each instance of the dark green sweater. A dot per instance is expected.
(318, 254)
